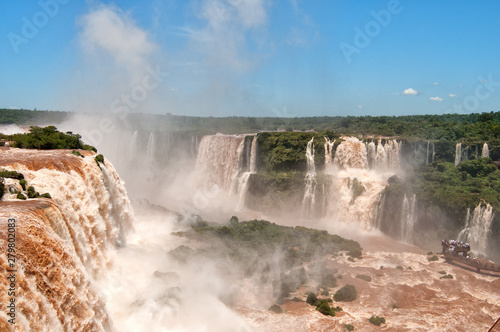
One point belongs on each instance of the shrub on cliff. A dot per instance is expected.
(48, 138)
(347, 293)
(32, 193)
(99, 159)
(11, 175)
(2, 189)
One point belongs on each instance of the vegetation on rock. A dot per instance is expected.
(47, 138)
(347, 293)
(376, 320)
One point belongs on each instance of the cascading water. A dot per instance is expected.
(221, 163)
(458, 153)
(63, 242)
(132, 153)
(408, 218)
(219, 160)
(477, 228)
(151, 148)
(242, 187)
(356, 187)
(328, 151)
(433, 152)
(310, 181)
(485, 153)
(371, 149)
(427, 153)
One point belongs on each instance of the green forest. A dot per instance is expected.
(468, 128)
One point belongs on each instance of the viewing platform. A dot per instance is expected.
(456, 251)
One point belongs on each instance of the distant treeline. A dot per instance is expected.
(27, 117)
(467, 128)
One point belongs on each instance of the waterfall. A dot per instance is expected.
(310, 180)
(379, 212)
(433, 152)
(427, 154)
(458, 153)
(486, 151)
(328, 151)
(133, 147)
(253, 155)
(219, 160)
(477, 228)
(242, 187)
(227, 162)
(64, 243)
(386, 155)
(351, 153)
(355, 189)
(151, 148)
(371, 154)
(408, 218)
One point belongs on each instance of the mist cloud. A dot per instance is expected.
(227, 29)
(109, 30)
(115, 56)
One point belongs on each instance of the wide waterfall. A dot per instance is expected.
(224, 164)
(64, 243)
(359, 175)
(408, 218)
(485, 153)
(310, 181)
(219, 160)
(477, 228)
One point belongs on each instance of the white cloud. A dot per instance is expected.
(228, 26)
(360, 106)
(410, 91)
(436, 98)
(109, 30)
(452, 95)
(116, 56)
(436, 83)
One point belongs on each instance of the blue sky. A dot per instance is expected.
(251, 57)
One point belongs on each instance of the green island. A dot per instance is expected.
(255, 245)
